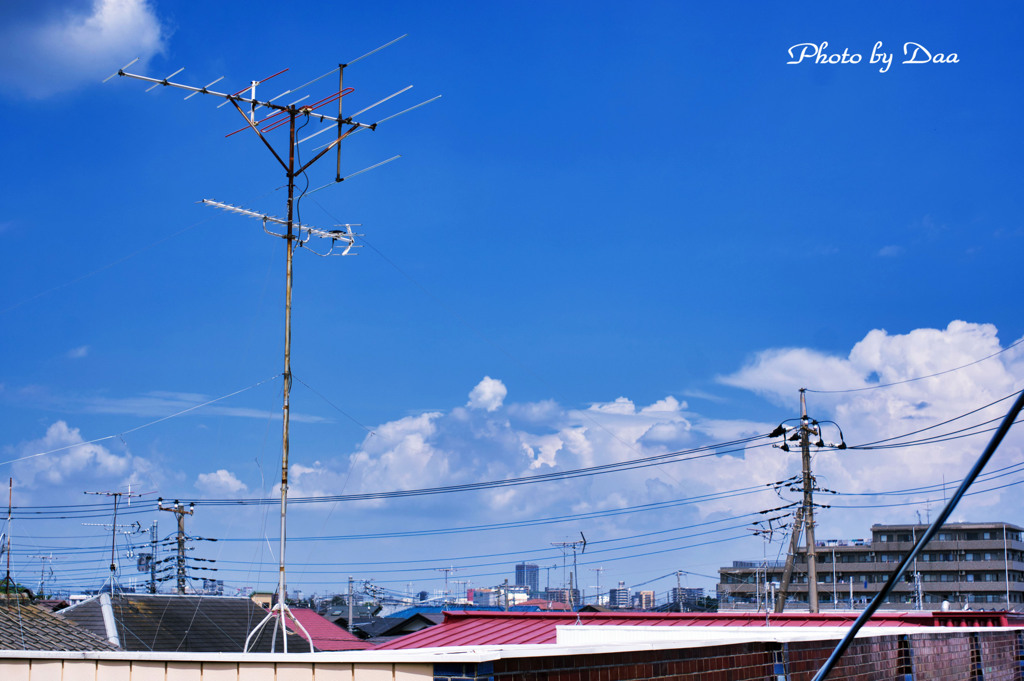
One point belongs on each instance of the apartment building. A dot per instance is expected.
(967, 565)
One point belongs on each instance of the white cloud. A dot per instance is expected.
(890, 251)
(78, 353)
(464, 445)
(870, 415)
(221, 481)
(488, 394)
(62, 463)
(46, 48)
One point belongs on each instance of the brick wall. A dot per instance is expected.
(954, 656)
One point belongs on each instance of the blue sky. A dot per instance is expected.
(618, 233)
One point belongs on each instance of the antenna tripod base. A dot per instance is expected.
(279, 611)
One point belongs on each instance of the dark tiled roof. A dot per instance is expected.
(201, 624)
(26, 627)
(377, 627)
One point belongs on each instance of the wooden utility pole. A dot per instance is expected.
(805, 513)
(808, 506)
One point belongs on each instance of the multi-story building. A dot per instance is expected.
(686, 595)
(643, 600)
(619, 596)
(968, 565)
(528, 575)
(563, 595)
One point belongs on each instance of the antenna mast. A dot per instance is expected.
(295, 235)
(113, 531)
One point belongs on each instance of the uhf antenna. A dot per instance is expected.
(295, 234)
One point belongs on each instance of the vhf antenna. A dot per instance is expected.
(294, 233)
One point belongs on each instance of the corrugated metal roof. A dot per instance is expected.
(525, 628)
(325, 634)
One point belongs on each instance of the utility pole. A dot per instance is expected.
(598, 570)
(805, 513)
(805, 459)
(179, 511)
(152, 558)
(447, 571)
(351, 627)
(679, 590)
(582, 545)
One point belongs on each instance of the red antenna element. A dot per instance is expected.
(302, 110)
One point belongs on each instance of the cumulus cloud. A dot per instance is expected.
(488, 394)
(518, 440)
(909, 403)
(221, 481)
(61, 463)
(48, 47)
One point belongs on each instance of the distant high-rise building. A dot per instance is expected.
(562, 595)
(618, 597)
(687, 596)
(644, 600)
(528, 575)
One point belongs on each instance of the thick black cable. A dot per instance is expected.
(894, 578)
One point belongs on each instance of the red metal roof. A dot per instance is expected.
(325, 634)
(469, 628)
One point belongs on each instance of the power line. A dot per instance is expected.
(919, 378)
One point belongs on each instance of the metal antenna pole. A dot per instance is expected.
(113, 532)
(295, 235)
(282, 594)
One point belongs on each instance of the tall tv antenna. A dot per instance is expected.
(581, 545)
(295, 234)
(116, 496)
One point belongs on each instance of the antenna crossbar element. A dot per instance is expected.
(345, 236)
(251, 101)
